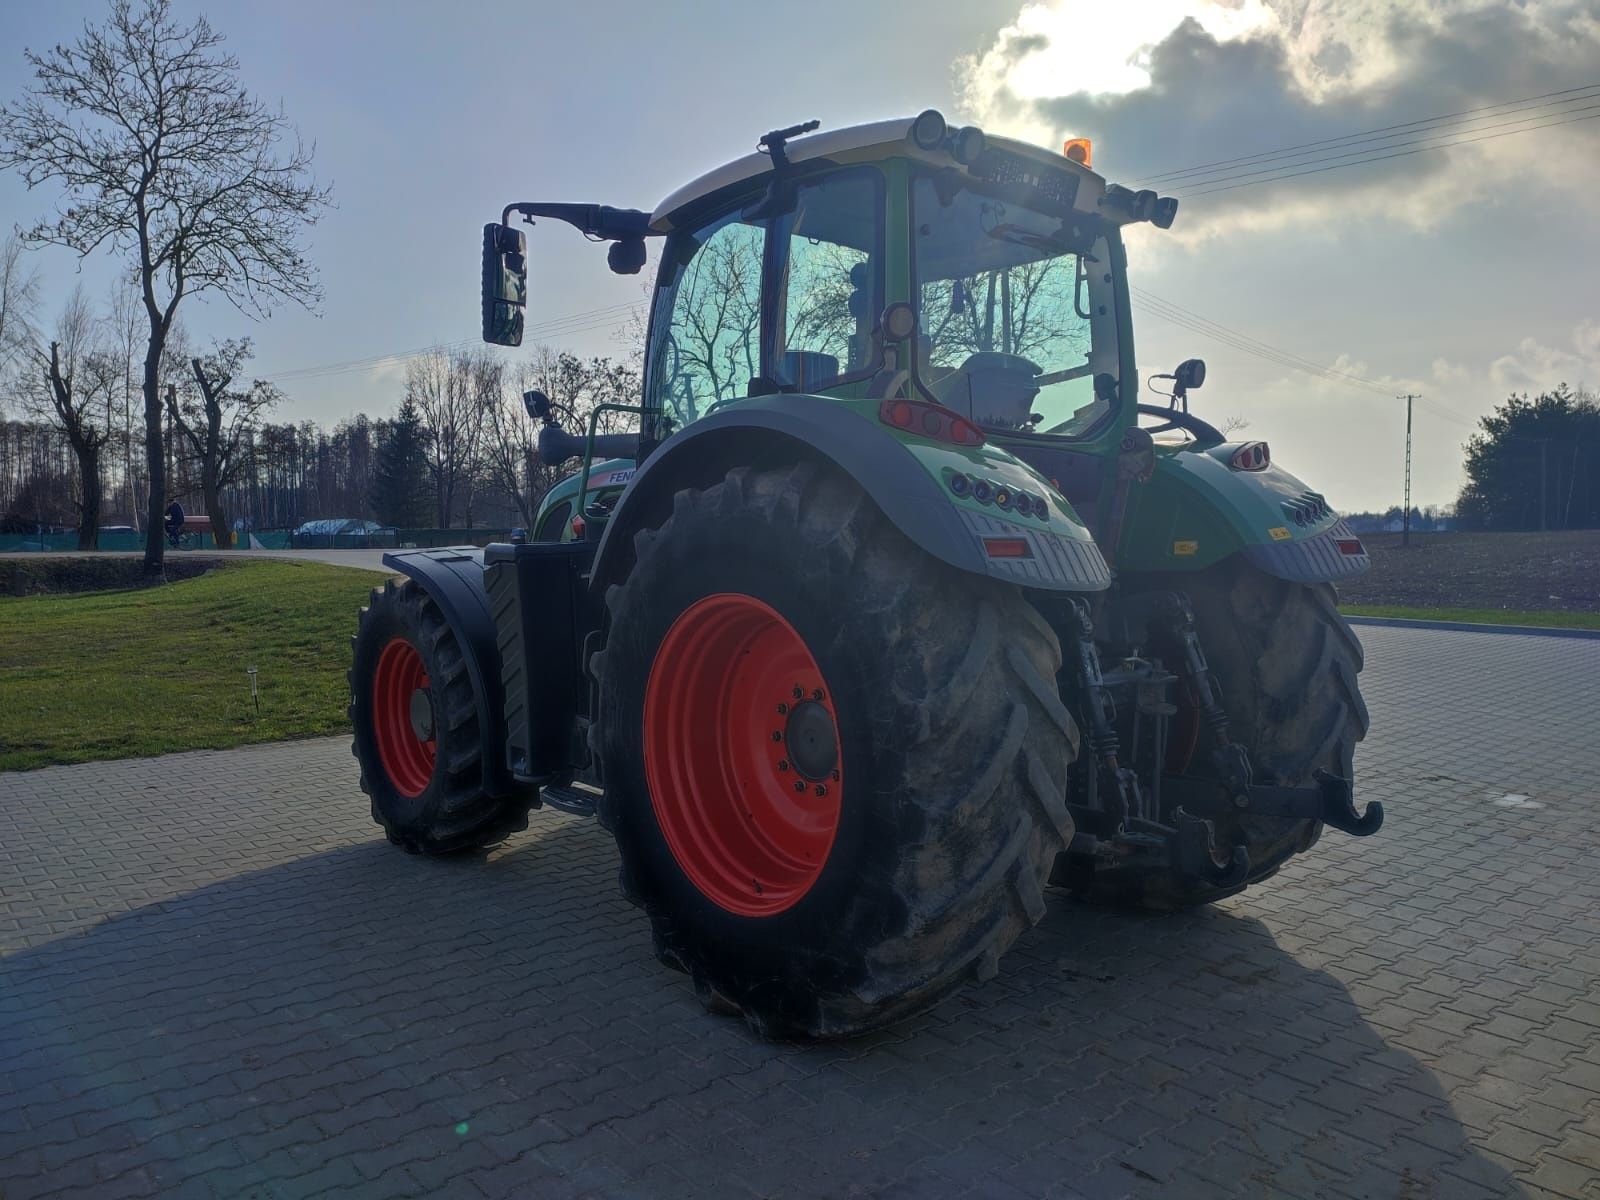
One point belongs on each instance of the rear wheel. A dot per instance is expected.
(1286, 662)
(835, 768)
(416, 730)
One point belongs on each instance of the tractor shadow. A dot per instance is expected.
(362, 1018)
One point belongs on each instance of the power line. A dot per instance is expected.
(612, 315)
(1176, 314)
(1366, 152)
(1180, 315)
(1446, 118)
(1372, 158)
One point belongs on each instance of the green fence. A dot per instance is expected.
(269, 539)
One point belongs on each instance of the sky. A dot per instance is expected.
(1460, 274)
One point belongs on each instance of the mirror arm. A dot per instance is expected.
(593, 220)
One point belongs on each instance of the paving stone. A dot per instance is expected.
(216, 978)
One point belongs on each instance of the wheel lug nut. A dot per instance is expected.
(836, 776)
(777, 736)
(782, 708)
(822, 790)
(799, 692)
(799, 785)
(817, 694)
(783, 764)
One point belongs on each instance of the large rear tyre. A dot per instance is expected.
(416, 730)
(835, 767)
(1286, 662)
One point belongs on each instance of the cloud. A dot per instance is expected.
(1535, 367)
(1177, 83)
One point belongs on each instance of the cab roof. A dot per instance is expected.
(854, 143)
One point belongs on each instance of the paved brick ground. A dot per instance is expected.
(216, 980)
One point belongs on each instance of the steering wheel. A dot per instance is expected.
(1176, 419)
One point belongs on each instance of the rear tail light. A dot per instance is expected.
(1252, 456)
(1350, 545)
(1004, 547)
(930, 420)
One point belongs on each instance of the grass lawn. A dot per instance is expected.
(130, 673)
(1478, 616)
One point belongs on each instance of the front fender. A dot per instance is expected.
(906, 477)
(453, 578)
(1196, 511)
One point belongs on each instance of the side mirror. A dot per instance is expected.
(1191, 373)
(538, 405)
(505, 284)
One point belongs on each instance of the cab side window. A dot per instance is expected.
(831, 290)
(710, 347)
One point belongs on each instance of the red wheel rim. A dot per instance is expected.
(402, 724)
(741, 753)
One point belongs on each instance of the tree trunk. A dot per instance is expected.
(155, 457)
(220, 533)
(89, 512)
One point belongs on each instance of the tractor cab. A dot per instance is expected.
(777, 270)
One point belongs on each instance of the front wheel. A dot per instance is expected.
(416, 728)
(835, 768)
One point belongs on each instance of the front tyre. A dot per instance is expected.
(416, 730)
(835, 768)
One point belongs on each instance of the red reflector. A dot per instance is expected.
(577, 526)
(1007, 547)
(900, 415)
(1350, 545)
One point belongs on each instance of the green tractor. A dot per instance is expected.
(899, 607)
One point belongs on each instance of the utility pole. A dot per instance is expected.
(1544, 474)
(1405, 512)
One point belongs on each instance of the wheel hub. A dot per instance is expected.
(422, 714)
(811, 741)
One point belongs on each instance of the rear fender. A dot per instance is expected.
(1196, 511)
(453, 578)
(906, 477)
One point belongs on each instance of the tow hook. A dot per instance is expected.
(1338, 806)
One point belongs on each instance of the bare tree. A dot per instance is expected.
(217, 424)
(19, 296)
(160, 154)
(454, 392)
(575, 387)
(121, 341)
(509, 458)
(76, 379)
